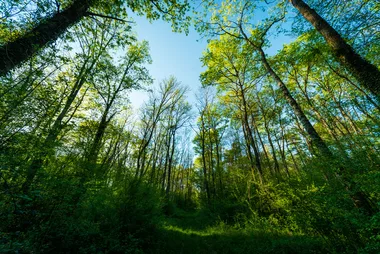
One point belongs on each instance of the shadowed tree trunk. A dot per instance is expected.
(367, 74)
(49, 142)
(203, 148)
(172, 133)
(93, 153)
(15, 52)
(256, 130)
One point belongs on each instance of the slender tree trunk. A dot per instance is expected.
(314, 109)
(49, 142)
(256, 130)
(218, 168)
(203, 148)
(146, 141)
(251, 141)
(316, 139)
(282, 146)
(345, 114)
(212, 160)
(92, 156)
(359, 198)
(345, 77)
(301, 155)
(367, 74)
(158, 175)
(365, 111)
(168, 142)
(170, 162)
(248, 147)
(156, 151)
(276, 166)
(291, 154)
(325, 123)
(110, 157)
(96, 143)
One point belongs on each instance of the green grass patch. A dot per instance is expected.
(187, 233)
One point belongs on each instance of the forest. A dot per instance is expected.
(278, 152)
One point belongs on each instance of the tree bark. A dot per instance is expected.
(256, 130)
(15, 52)
(203, 148)
(218, 168)
(251, 140)
(170, 161)
(367, 74)
(96, 144)
(211, 158)
(281, 146)
(316, 139)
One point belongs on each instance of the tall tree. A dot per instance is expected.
(152, 113)
(93, 48)
(367, 74)
(231, 21)
(17, 50)
(230, 67)
(111, 83)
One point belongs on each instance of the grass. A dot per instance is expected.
(196, 233)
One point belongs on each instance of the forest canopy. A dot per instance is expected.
(277, 153)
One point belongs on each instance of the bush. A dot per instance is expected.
(105, 220)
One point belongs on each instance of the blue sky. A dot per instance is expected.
(172, 54)
(177, 54)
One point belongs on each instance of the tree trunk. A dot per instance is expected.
(218, 168)
(211, 157)
(168, 142)
(247, 144)
(367, 74)
(49, 142)
(170, 162)
(95, 146)
(156, 149)
(251, 140)
(203, 148)
(276, 165)
(359, 198)
(318, 117)
(256, 130)
(315, 138)
(281, 146)
(14, 53)
(291, 154)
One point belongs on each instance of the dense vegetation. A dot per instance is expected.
(279, 154)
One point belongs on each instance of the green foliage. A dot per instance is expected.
(105, 220)
(201, 232)
(81, 173)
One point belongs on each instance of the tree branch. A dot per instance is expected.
(88, 13)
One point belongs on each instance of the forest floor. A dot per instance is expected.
(193, 233)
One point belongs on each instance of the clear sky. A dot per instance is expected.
(172, 54)
(177, 54)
